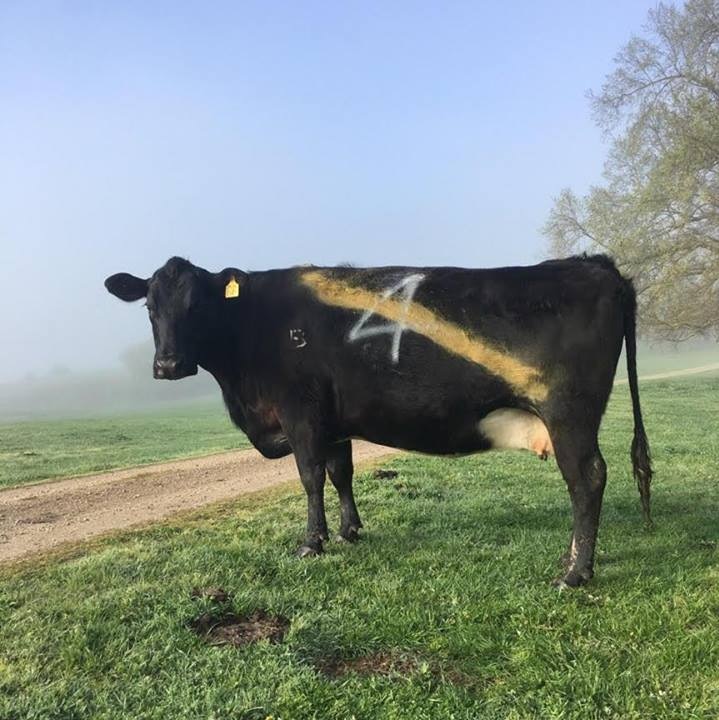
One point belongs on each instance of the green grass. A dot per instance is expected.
(38, 450)
(454, 571)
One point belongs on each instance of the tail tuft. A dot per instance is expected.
(641, 463)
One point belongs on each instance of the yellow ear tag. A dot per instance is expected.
(232, 289)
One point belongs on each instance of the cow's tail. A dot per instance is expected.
(641, 461)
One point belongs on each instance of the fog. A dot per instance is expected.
(261, 136)
(129, 388)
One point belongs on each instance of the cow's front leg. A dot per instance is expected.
(311, 463)
(340, 470)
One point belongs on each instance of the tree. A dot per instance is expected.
(657, 211)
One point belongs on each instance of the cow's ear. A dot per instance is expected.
(126, 287)
(230, 282)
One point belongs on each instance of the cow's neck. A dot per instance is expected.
(230, 360)
(238, 393)
(227, 364)
(250, 410)
(230, 364)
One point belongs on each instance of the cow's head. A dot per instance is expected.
(185, 304)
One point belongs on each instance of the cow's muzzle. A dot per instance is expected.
(173, 368)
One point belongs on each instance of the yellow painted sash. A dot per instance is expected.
(524, 379)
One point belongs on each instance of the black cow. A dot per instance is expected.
(439, 360)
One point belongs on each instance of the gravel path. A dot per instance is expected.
(673, 373)
(37, 518)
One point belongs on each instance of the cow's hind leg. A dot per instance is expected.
(585, 473)
(340, 469)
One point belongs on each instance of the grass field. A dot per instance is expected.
(39, 450)
(443, 610)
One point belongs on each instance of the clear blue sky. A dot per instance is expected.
(265, 134)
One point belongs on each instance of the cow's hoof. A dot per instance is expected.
(572, 579)
(309, 550)
(350, 534)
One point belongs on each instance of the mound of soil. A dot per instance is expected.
(231, 629)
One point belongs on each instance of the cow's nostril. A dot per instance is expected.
(173, 368)
(165, 367)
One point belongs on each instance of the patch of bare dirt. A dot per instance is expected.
(390, 663)
(384, 474)
(380, 663)
(214, 594)
(38, 518)
(231, 629)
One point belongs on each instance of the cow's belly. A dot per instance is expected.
(433, 402)
(426, 435)
(501, 429)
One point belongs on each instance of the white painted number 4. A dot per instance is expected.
(406, 288)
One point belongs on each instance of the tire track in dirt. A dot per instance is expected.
(38, 518)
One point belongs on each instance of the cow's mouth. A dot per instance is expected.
(173, 369)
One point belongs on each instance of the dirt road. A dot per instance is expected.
(673, 373)
(38, 518)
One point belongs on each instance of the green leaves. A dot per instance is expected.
(657, 211)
